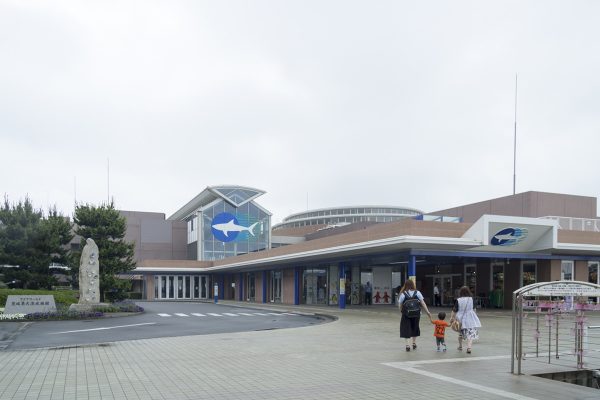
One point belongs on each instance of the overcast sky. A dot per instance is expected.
(319, 103)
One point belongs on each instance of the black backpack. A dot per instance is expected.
(411, 306)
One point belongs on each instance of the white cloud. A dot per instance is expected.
(349, 102)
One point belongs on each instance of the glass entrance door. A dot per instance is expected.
(250, 287)
(315, 286)
(196, 287)
(203, 287)
(276, 286)
(497, 295)
(180, 287)
(447, 297)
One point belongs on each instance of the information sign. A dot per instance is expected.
(564, 289)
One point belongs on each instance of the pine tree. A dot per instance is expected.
(107, 227)
(33, 242)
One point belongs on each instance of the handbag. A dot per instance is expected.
(456, 325)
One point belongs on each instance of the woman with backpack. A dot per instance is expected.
(410, 303)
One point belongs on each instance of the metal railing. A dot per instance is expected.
(556, 323)
(576, 224)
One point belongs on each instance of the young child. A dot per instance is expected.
(439, 331)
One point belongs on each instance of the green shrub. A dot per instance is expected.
(115, 295)
(121, 306)
(61, 315)
(135, 295)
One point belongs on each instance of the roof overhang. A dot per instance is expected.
(400, 244)
(210, 194)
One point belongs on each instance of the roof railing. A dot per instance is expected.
(576, 224)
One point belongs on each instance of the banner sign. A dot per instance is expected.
(564, 289)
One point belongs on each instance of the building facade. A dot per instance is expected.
(494, 247)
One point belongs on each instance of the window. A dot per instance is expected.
(528, 273)
(247, 215)
(593, 267)
(566, 270)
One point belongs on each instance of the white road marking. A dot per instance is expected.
(410, 367)
(103, 329)
(233, 315)
(410, 364)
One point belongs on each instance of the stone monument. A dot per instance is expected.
(89, 279)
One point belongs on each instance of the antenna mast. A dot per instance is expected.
(107, 181)
(515, 143)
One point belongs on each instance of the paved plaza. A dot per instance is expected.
(357, 356)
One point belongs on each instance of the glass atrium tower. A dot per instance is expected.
(225, 221)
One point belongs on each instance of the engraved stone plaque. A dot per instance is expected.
(28, 304)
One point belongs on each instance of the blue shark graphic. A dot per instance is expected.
(509, 237)
(226, 227)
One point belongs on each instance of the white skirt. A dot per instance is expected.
(468, 319)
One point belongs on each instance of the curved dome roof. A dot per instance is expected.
(347, 214)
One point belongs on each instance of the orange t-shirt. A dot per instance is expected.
(440, 328)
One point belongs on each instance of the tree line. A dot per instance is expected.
(31, 241)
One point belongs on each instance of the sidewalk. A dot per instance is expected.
(357, 356)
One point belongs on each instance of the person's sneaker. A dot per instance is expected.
(438, 349)
(444, 349)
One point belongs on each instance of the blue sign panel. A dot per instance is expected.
(226, 227)
(509, 237)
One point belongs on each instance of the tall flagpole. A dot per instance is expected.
(107, 181)
(515, 143)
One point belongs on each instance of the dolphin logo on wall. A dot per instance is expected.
(226, 227)
(509, 237)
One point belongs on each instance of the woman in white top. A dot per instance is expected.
(464, 313)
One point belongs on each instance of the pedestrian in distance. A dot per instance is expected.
(439, 331)
(464, 312)
(437, 301)
(368, 293)
(411, 302)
